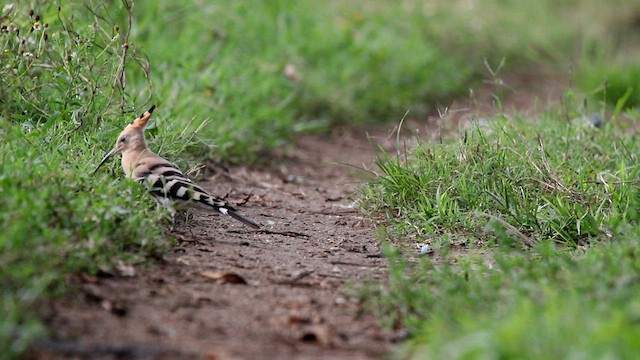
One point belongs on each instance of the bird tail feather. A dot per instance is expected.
(243, 219)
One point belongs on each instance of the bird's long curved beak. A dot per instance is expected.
(113, 151)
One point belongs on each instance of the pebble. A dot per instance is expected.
(425, 249)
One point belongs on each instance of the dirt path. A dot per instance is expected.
(295, 304)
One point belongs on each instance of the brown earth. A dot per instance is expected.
(283, 292)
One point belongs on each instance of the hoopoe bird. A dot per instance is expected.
(164, 180)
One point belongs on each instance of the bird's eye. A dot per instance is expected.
(123, 139)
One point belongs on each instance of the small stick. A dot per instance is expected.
(527, 240)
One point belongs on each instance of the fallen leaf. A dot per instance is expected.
(224, 277)
(90, 279)
(300, 274)
(212, 355)
(298, 320)
(183, 261)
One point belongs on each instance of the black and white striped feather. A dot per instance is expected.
(170, 186)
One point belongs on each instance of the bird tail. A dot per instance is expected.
(243, 219)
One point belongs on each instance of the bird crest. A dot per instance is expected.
(141, 122)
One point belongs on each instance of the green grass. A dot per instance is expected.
(546, 303)
(57, 219)
(611, 81)
(232, 80)
(554, 178)
(352, 62)
(534, 227)
(342, 57)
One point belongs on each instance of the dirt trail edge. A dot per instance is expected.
(294, 304)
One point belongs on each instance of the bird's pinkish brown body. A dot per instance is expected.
(163, 179)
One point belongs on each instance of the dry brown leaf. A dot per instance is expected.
(298, 320)
(224, 277)
(89, 279)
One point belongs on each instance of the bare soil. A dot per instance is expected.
(228, 292)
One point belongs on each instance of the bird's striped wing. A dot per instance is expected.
(165, 181)
(168, 184)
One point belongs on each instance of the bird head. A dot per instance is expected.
(131, 138)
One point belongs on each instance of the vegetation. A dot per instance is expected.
(233, 79)
(58, 90)
(534, 227)
(552, 179)
(532, 223)
(545, 303)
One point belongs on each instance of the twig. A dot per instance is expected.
(527, 240)
(284, 233)
(245, 199)
(331, 276)
(622, 182)
(76, 348)
(145, 65)
(347, 263)
(120, 80)
(294, 281)
(329, 211)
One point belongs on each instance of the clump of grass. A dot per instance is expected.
(547, 215)
(538, 180)
(57, 70)
(611, 81)
(61, 82)
(506, 304)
